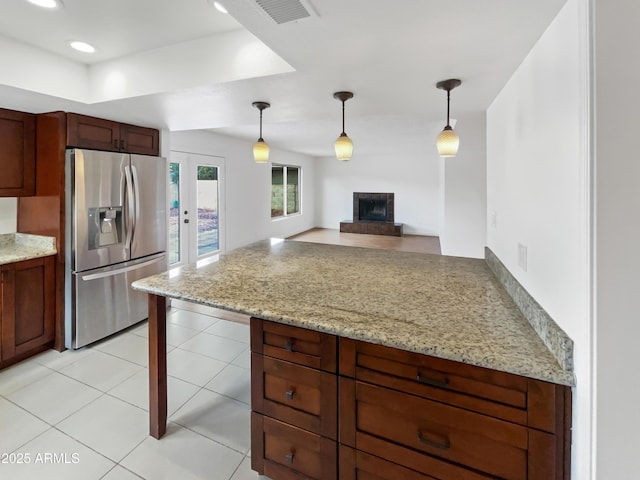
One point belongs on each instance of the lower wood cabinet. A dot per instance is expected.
(398, 414)
(284, 452)
(27, 308)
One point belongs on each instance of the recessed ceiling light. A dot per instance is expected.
(47, 3)
(218, 6)
(82, 47)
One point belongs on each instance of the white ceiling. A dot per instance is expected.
(390, 54)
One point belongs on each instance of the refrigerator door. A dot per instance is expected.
(102, 303)
(149, 177)
(97, 205)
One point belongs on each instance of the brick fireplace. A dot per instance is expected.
(373, 213)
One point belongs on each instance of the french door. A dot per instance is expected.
(196, 207)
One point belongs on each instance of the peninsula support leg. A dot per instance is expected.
(157, 365)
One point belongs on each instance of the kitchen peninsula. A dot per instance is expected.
(350, 333)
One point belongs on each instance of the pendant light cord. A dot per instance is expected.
(343, 118)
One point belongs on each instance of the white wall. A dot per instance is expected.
(410, 174)
(30, 68)
(248, 187)
(617, 230)
(8, 214)
(537, 192)
(463, 230)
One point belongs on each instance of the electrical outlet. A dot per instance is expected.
(522, 256)
(494, 219)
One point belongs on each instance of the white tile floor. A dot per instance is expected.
(84, 414)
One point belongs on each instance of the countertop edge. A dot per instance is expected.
(560, 377)
(18, 247)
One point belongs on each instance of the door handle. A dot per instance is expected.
(289, 394)
(289, 457)
(111, 273)
(130, 206)
(288, 346)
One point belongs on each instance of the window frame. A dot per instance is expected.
(285, 167)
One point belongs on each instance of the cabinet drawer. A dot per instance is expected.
(294, 344)
(357, 465)
(483, 443)
(284, 452)
(298, 395)
(486, 391)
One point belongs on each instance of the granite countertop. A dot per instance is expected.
(448, 307)
(15, 247)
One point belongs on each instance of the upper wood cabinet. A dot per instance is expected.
(99, 134)
(17, 154)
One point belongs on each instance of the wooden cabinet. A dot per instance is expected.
(99, 134)
(399, 414)
(28, 296)
(293, 398)
(450, 420)
(17, 155)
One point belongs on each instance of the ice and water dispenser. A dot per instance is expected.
(105, 226)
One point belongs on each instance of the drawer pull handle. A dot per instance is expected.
(289, 457)
(445, 444)
(433, 382)
(289, 394)
(289, 345)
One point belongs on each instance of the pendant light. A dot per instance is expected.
(344, 145)
(448, 140)
(260, 148)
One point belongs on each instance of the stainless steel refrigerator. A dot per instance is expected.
(115, 234)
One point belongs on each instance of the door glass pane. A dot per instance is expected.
(293, 198)
(207, 204)
(174, 213)
(277, 191)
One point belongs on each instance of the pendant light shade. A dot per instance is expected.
(343, 145)
(261, 148)
(448, 140)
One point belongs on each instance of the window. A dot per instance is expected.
(285, 190)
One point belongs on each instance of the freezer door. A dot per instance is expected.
(97, 209)
(149, 177)
(102, 301)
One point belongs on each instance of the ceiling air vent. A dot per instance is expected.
(283, 11)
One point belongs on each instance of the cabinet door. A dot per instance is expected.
(139, 140)
(94, 133)
(17, 155)
(27, 306)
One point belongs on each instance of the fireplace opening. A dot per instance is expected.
(373, 207)
(373, 214)
(372, 210)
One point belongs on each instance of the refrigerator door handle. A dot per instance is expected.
(136, 192)
(130, 202)
(118, 271)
